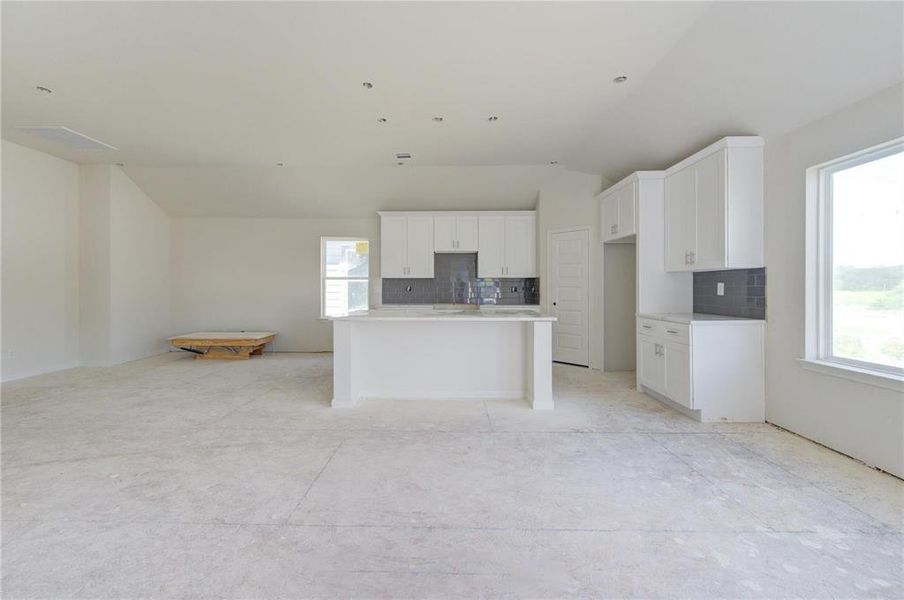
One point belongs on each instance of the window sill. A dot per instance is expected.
(874, 378)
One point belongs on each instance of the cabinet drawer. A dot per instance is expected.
(676, 331)
(649, 327)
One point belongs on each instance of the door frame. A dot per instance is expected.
(549, 234)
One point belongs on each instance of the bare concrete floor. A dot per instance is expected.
(169, 477)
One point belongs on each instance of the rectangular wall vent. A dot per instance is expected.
(66, 137)
(402, 155)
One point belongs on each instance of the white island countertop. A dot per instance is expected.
(689, 318)
(511, 313)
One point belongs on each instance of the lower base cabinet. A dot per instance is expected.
(713, 368)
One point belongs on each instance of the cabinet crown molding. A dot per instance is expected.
(732, 141)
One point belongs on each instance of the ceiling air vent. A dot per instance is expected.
(66, 137)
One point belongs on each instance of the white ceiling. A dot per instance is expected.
(203, 98)
(256, 83)
(760, 68)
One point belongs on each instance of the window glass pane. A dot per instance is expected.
(346, 258)
(342, 296)
(868, 261)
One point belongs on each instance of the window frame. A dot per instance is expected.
(323, 277)
(819, 282)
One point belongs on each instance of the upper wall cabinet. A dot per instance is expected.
(714, 208)
(507, 245)
(618, 210)
(406, 246)
(455, 233)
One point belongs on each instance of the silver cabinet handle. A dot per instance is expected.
(647, 326)
(671, 331)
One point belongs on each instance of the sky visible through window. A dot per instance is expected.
(868, 262)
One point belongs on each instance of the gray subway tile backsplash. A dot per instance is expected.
(455, 281)
(745, 293)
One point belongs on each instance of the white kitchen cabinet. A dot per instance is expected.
(678, 372)
(420, 247)
(406, 246)
(507, 246)
(491, 246)
(710, 366)
(680, 219)
(650, 368)
(520, 246)
(618, 212)
(714, 208)
(455, 233)
(393, 246)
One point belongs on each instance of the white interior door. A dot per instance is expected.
(569, 283)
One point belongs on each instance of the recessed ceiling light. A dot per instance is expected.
(438, 119)
(367, 85)
(280, 164)
(493, 118)
(46, 90)
(620, 79)
(381, 120)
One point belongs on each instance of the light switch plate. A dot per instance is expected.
(720, 288)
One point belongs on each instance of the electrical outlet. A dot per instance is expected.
(720, 289)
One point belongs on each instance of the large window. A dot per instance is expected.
(343, 275)
(859, 270)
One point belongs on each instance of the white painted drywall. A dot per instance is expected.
(619, 307)
(39, 262)
(140, 294)
(566, 200)
(260, 274)
(860, 420)
(94, 265)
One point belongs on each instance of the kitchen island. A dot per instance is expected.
(433, 354)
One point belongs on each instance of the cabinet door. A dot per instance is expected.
(710, 214)
(649, 364)
(680, 219)
(609, 210)
(678, 374)
(520, 247)
(490, 246)
(627, 203)
(393, 247)
(444, 233)
(420, 247)
(466, 236)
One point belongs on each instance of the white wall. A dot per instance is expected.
(619, 307)
(860, 420)
(260, 274)
(94, 265)
(39, 262)
(567, 200)
(140, 290)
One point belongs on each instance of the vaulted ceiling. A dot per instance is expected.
(203, 99)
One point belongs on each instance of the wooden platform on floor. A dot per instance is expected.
(224, 345)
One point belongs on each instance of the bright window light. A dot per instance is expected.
(344, 270)
(862, 257)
